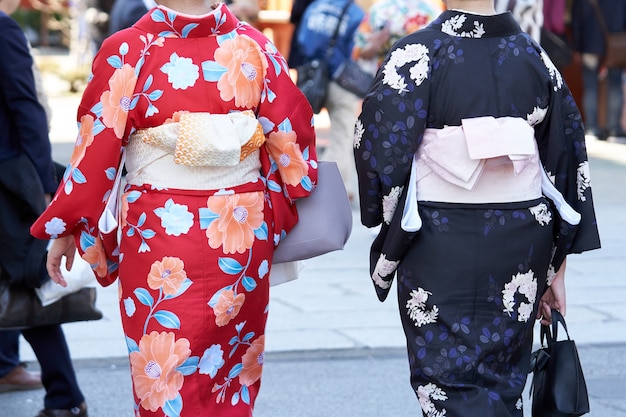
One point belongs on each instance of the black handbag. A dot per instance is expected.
(558, 386)
(20, 307)
(313, 82)
(350, 76)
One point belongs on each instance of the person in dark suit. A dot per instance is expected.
(26, 160)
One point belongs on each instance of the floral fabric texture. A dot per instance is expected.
(193, 265)
(470, 280)
(400, 17)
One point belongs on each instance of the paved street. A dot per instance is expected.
(334, 350)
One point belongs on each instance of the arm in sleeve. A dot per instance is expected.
(561, 141)
(386, 136)
(89, 176)
(287, 120)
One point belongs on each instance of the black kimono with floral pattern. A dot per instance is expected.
(470, 280)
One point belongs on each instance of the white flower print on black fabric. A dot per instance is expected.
(417, 53)
(383, 269)
(417, 309)
(454, 24)
(551, 275)
(390, 202)
(358, 134)
(583, 180)
(554, 73)
(425, 395)
(542, 214)
(526, 285)
(536, 116)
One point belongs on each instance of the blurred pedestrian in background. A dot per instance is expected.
(385, 23)
(126, 12)
(528, 13)
(589, 42)
(26, 159)
(319, 23)
(296, 58)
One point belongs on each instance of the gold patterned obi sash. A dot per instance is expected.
(202, 151)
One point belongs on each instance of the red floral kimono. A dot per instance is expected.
(194, 263)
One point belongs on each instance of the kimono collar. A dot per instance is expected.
(468, 25)
(171, 24)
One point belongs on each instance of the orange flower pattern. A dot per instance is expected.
(85, 138)
(286, 152)
(239, 215)
(246, 70)
(252, 362)
(227, 307)
(154, 368)
(96, 257)
(124, 209)
(116, 101)
(175, 117)
(167, 274)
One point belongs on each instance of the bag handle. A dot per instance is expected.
(333, 40)
(551, 336)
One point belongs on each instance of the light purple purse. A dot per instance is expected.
(325, 219)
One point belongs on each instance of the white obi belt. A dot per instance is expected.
(200, 151)
(485, 160)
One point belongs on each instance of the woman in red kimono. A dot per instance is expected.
(219, 142)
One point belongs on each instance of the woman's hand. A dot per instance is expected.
(62, 246)
(554, 298)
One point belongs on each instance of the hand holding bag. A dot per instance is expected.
(558, 386)
(80, 276)
(20, 307)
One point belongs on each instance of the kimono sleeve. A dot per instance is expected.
(389, 129)
(89, 176)
(287, 120)
(561, 142)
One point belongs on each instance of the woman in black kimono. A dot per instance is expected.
(470, 125)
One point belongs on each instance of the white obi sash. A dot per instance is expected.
(485, 160)
(202, 151)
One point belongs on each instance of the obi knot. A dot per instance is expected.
(206, 139)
